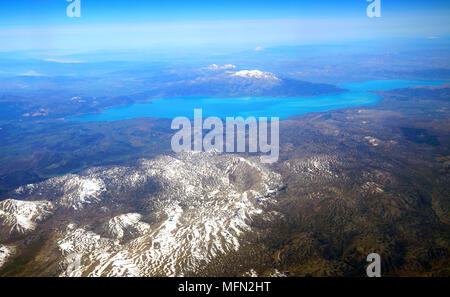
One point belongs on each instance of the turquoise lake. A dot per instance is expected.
(281, 107)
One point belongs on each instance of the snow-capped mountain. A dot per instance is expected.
(230, 81)
(128, 224)
(257, 74)
(19, 217)
(73, 191)
(166, 216)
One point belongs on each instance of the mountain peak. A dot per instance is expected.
(256, 74)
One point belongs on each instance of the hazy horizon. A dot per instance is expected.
(218, 25)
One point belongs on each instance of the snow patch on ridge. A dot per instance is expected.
(129, 223)
(23, 216)
(5, 253)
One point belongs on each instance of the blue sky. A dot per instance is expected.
(131, 24)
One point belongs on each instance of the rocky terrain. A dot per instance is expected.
(166, 216)
(348, 183)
